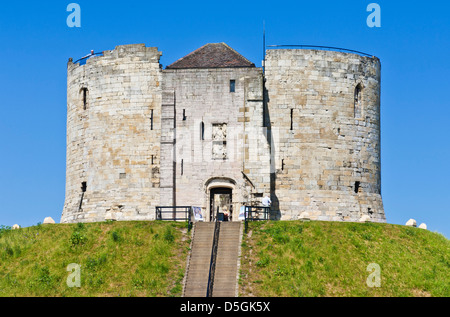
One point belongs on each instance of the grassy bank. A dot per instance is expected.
(284, 258)
(293, 258)
(115, 258)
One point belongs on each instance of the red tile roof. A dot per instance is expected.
(212, 55)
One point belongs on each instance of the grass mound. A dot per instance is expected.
(114, 258)
(283, 258)
(294, 258)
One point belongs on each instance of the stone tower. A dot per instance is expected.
(113, 135)
(323, 108)
(212, 130)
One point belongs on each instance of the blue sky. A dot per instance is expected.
(413, 44)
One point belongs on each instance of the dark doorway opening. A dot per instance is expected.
(220, 201)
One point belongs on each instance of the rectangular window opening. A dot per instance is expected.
(292, 121)
(357, 185)
(84, 98)
(202, 131)
(232, 85)
(151, 120)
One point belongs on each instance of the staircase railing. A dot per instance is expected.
(212, 264)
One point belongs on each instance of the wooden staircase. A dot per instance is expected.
(226, 270)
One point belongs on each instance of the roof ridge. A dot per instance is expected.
(212, 55)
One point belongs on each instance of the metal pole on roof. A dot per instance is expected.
(264, 47)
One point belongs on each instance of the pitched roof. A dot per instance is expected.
(212, 55)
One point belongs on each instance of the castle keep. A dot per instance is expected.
(212, 130)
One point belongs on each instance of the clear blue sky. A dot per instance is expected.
(413, 44)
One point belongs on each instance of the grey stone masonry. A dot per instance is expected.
(324, 114)
(306, 132)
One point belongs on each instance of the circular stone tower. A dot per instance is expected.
(113, 136)
(323, 111)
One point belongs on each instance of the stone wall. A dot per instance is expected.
(139, 136)
(216, 131)
(113, 147)
(326, 152)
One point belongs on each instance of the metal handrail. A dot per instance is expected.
(88, 56)
(256, 213)
(323, 47)
(212, 263)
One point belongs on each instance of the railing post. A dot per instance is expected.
(190, 221)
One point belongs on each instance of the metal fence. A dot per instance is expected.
(175, 213)
(256, 213)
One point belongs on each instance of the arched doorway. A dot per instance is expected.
(221, 204)
(219, 191)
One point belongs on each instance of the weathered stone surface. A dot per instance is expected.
(364, 218)
(304, 216)
(411, 223)
(113, 138)
(326, 134)
(139, 136)
(423, 226)
(49, 220)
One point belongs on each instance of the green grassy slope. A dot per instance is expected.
(116, 258)
(288, 258)
(293, 258)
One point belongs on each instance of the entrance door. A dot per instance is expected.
(220, 198)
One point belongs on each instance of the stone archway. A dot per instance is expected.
(219, 191)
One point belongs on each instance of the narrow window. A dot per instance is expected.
(358, 101)
(292, 119)
(182, 167)
(282, 164)
(357, 184)
(151, 120)
(232, 85)
(152, 159)
(84, 92)
(202, 131)
(83, 190)
(184, 114)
